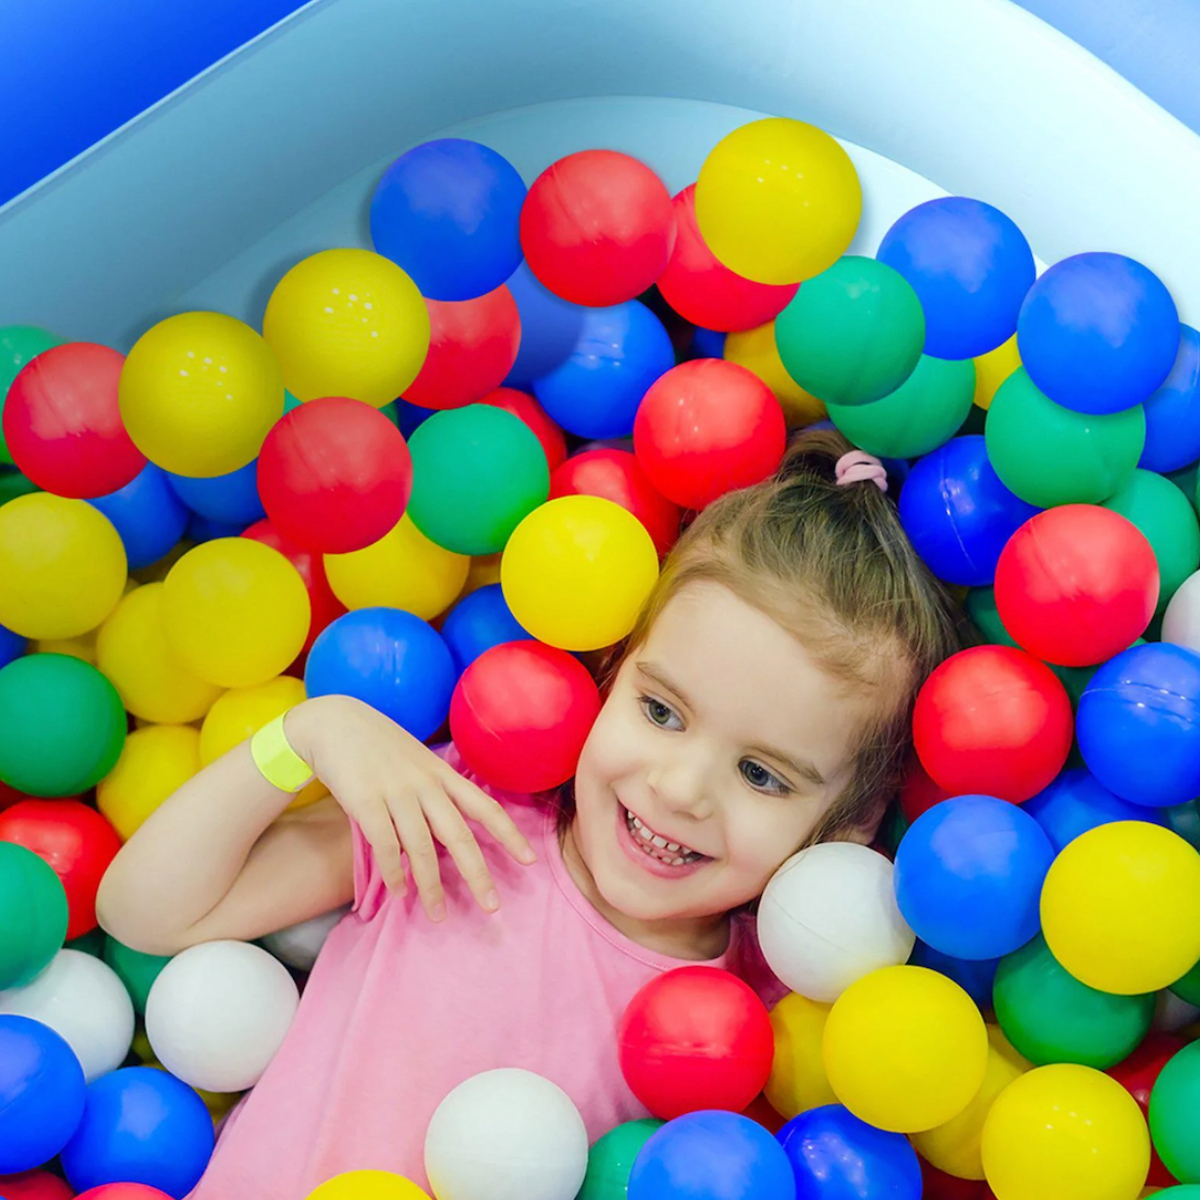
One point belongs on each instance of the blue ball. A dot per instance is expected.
(411, 416)
(620, 352)
(708, 343)
(478, 622)
(550, 328)
(1098, 333)
(12, 646)
(228, 499)
(712, 1156)
(147, 514)
(449, 212)
(969, 876)
(205, 529)
(1138, 724)
(390, 659)
(41, 1094)
(975, 977)
(837, 1156)
(1173, 412)
(1076, 802)
(957, 513)
(971, 268)
(140, 1125)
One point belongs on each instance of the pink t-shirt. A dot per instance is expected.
(398, 1011)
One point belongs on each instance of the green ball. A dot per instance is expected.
(478, 471)
(19, 344)
(1175, 1114)
(1188, 988)
(1167, 521)
(852, 334)
(1184, 819)
(611, 1159)
(922, 413)
(91, 943)
(1182, 1191)
(135, 970)
(64, 725)
(33, 914)
(1050, 1017)
(14, 484)
(1049, 455)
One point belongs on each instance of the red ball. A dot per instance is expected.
(521, 713)
(615, 475)
(75, 840)
(525, 408)
(34, 1185)
(472, 347)
(124, 1191)
(334, 475)
(705, 428)
(705, 291)
(597, 227)
(918, 793)
(1076, 585)
(1137, 1075)
(994, 721)
(695, 1038)
(938, 1185)
(63, 425)
(760, 1110)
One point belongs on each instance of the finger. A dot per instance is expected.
(453, 832)
(491, 814)
(413, 827)
(377, 827)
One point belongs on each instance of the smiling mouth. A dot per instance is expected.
(655, 846)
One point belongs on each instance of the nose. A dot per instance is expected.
(681, 785)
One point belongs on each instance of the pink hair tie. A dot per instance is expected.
(857, 465)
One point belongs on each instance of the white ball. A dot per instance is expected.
(83, 1000)
(829, 916)
(1173, 1013)
(506, 1135)
(1181, 621)
(299, 945)
(218, 1012)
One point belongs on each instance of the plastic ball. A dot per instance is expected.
(504, 1133)
(198, 393)
(135, 970)
(597, 227)
(957, 513)
(853, 334)
(62, 563)
(1139, 724)
(1173, 412)
(140, 1125)
(478, 622)
(797, 1081)
(550, 328)
(836, 1156)
(37, 1185)
(389, 659)
(1077, 801)
(63, 426)
(41, 1093)
(1065, 1131)
(905, 1049)
(33, 905)
(1138, 1074)
(19, 345)
(705, 428)
(235, 612)
(447, 211)
(969, 874)
(829, 916)
(974, 976)
(712, 1156)
(1173, 1114)
(156, 761)
(577, 571)
(595, 391)
(241, 712)
(12, 646)
(971, 267)
(1098, 333)
(992, 369)
(755, 350)
(527, 409)
(347, 322)
(521, 713)
(147, 514)
(299, 945)
(368, 1185)
(1049, 455)
(924, 411)
(123, 1191)
(778, 200)
(231, 499)
(992, 720)
(64, 725)
(1121, 908)
(611, 1159)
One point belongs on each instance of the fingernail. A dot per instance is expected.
(528, 856)
(491, 901)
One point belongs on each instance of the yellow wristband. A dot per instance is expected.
(277, 762)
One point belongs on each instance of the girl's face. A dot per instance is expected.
(721, 746)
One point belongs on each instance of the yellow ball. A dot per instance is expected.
(235, 611)
(404, 569)
(152, 681)
(755, 350)
(993, 368)
(347, 323)
(199, 392)
(797, 1081)
(577, 571)
(905, 1049)
(368, 1185)
(955, 1146)
(1069, 1132)
(62, 566)
(155, 762)
(778, 200)
(1121, 908)
(484, 570)
(82, 647)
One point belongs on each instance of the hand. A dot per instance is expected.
(402, 796)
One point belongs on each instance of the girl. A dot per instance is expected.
(761, 704)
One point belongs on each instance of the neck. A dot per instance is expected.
(697, 938)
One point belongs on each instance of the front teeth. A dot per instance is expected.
(659, 842)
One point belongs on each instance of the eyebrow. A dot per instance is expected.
(803, 768)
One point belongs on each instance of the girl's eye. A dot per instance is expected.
(658, 713)
(757, 776)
